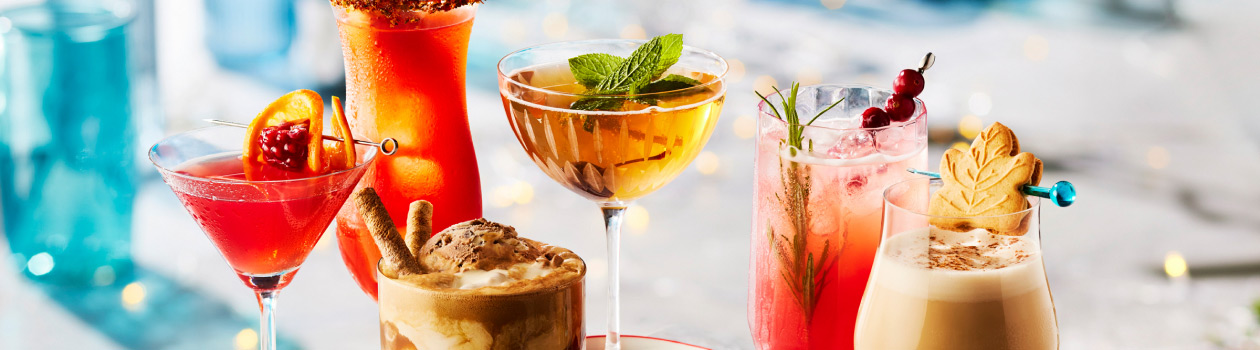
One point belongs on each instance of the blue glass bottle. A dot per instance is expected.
(67, 142)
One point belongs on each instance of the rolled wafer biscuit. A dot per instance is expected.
(393, 250)
(419, 226)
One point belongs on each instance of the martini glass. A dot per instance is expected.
(609, 157)
(264, 229)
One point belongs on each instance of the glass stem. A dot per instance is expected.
(612, 222)
(267, 324)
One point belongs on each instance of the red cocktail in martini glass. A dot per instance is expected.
(263, 218)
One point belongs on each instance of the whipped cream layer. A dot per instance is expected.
(473, 279)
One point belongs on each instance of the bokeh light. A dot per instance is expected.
(1175, 265)
(637, 218)
(522, 192)
(765, 85)
(133, 296)
(708, 163)
(104, 276)
(40, 264)
(735, 70)
(745, 127)
(969, 126)
(246, 339)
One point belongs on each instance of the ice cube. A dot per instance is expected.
(820, 137)
(853, 144)
(837, 123)
(890, 141)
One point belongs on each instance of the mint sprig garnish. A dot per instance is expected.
(605, 76)
(590, 69)
(669, 83)
(635, 72)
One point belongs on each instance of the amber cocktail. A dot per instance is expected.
(611, 147)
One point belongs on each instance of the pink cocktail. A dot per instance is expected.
(818, 213)
(263, 228)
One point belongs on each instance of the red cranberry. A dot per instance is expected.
(874, 117)
(899, 107)
(285, 145)
(909, 83)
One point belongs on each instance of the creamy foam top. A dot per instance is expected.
(959, 266)
(960, 251)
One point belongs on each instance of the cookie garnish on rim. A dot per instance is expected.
(984, 183)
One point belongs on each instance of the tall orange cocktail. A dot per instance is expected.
(405, 64)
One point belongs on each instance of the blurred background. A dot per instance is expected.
(1143, 104)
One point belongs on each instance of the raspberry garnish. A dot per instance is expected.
(285, 145)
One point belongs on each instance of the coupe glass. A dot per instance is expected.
(264, 229)
(609, 157)
(939, 289)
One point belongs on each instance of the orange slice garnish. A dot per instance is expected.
(342, 155)
(295, 107)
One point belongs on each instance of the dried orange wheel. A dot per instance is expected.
(298, 109)
(342, 155)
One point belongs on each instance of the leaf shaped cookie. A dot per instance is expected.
(984, 182)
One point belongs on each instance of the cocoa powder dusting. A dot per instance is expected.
(958, 257)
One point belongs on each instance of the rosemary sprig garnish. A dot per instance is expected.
(796, 130)
(805, 275)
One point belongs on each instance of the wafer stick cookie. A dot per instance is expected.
(419, 226)
(397, 259)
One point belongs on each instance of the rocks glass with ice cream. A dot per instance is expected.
(476, 285)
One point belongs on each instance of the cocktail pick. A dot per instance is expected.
(388, 146)
(1062, 193)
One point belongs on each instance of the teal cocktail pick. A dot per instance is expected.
(1062, 193)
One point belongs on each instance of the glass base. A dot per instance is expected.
(596, 342)
(268, 282)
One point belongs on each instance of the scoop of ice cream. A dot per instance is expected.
(484, 287)
(476, 245)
